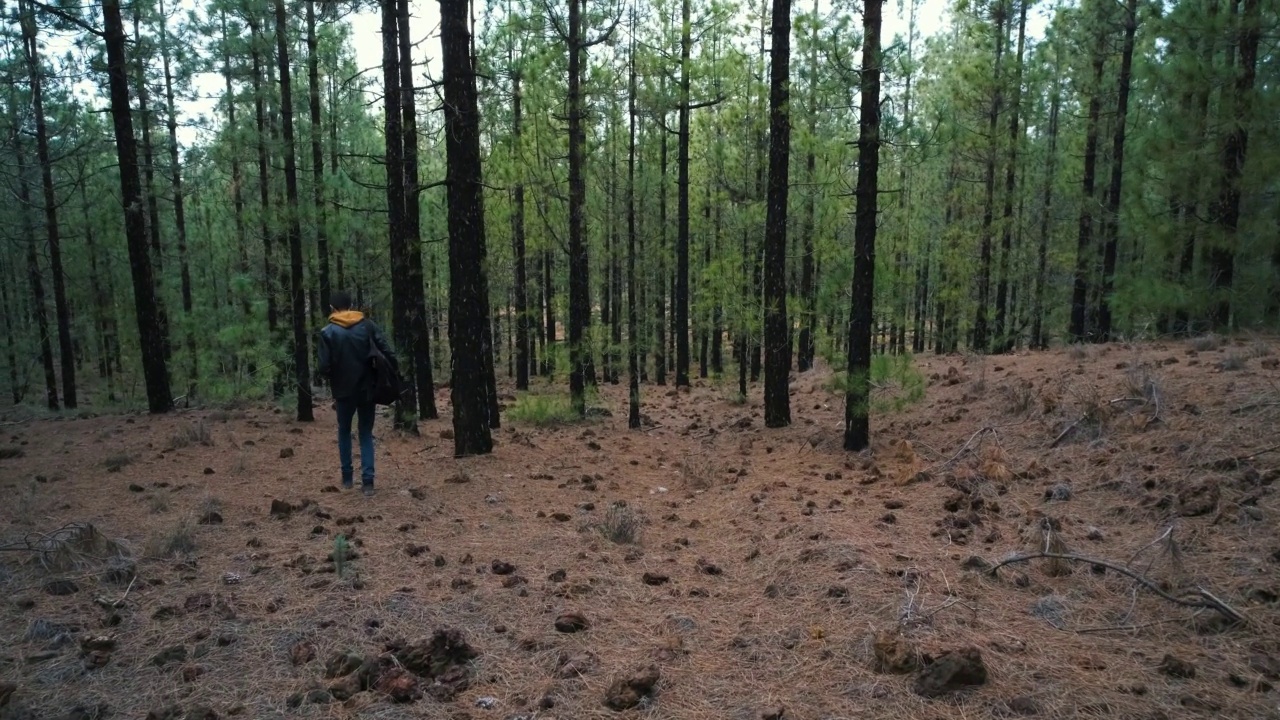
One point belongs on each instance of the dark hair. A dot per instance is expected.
(340, 300)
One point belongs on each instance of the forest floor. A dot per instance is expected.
(760, 573)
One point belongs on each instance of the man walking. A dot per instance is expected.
(344, 359)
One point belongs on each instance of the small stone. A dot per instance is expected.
(975, 563)
(888, 518)
(774, 713)
(1094, 534)
(213, 517)
(571, 622)
(286, 453)
(893, 504)
(177, 653)
(1058, 493)
(650, 578)
(502, 568)
(208, 471)
(1023, 705)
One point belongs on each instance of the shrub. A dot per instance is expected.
(544, 410)
(622, 524)
(1206, 343)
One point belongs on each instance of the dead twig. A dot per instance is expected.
(118, 603)
(1203, 599)
(1233, 463)
(1063, 435)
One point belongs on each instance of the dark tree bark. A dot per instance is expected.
(806, 343)
(10, 342)
(1080, 286)
(401, 304)
(579, 269)
(615, 270)
(742, 337)
(468, 287)
(264, 180)
(633, 315)
(149, 188)
(1222, 257)
(36, 281)
(179, 211)
(777, 330)
(62, 312)
(1187, 203)
(1003, 336)
(981, 340)
(237, 192)
(857, 426)
(150, 333)
(1111, 223)
(681, 298)
(548, 297)
(660, 270)
(424, 382)
(297, 293)
(517, 240)
(317, 156)
(1039, 340)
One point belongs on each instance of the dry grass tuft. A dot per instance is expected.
(1234, 361)
(158, 503)
(1078, 352)
(622, 525)
(1020, 397)
(1206, 343)
(196, 433)
(699, 471)
(117, 461)
(11, 452)
(178, 539)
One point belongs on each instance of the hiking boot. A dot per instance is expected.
(368, 491)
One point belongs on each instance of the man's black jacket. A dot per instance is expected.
(344, 354)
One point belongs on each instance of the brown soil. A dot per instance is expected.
(767, 580)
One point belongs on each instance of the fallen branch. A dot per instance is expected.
(965, 446)
(1063, 435)
(1204, 598)
(1233, 463)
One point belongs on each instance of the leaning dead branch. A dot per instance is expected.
(1203, 598)
(72, 546)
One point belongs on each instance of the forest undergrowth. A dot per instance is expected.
(205, 564)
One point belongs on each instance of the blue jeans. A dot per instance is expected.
(347, 407)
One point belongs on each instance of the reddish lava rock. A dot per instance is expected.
(399, 685)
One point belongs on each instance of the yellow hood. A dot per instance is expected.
(346, 318)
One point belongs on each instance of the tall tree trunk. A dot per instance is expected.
(1222, 257)
(1111, 224)
(10, 342)
(297, 293)
(179, 210)
(237, 192)
(103, 302)
(777, 330)
(1080, 286)
(402, 306)
(981, 340)
(1004, 335)
(579, 271)
(153, 207)
(660, 271)
(36, 280)
(857, 427)
(615, 269)
(1039, 340)
(264, 180)
(468, 287)
(681, 298)
(423, 381)
(517, 240)
(806, 343)
(548, 297)
(62, 312)
(633, 315)
(150, 333)
(317, 156)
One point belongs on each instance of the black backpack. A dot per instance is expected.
(385, 387)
